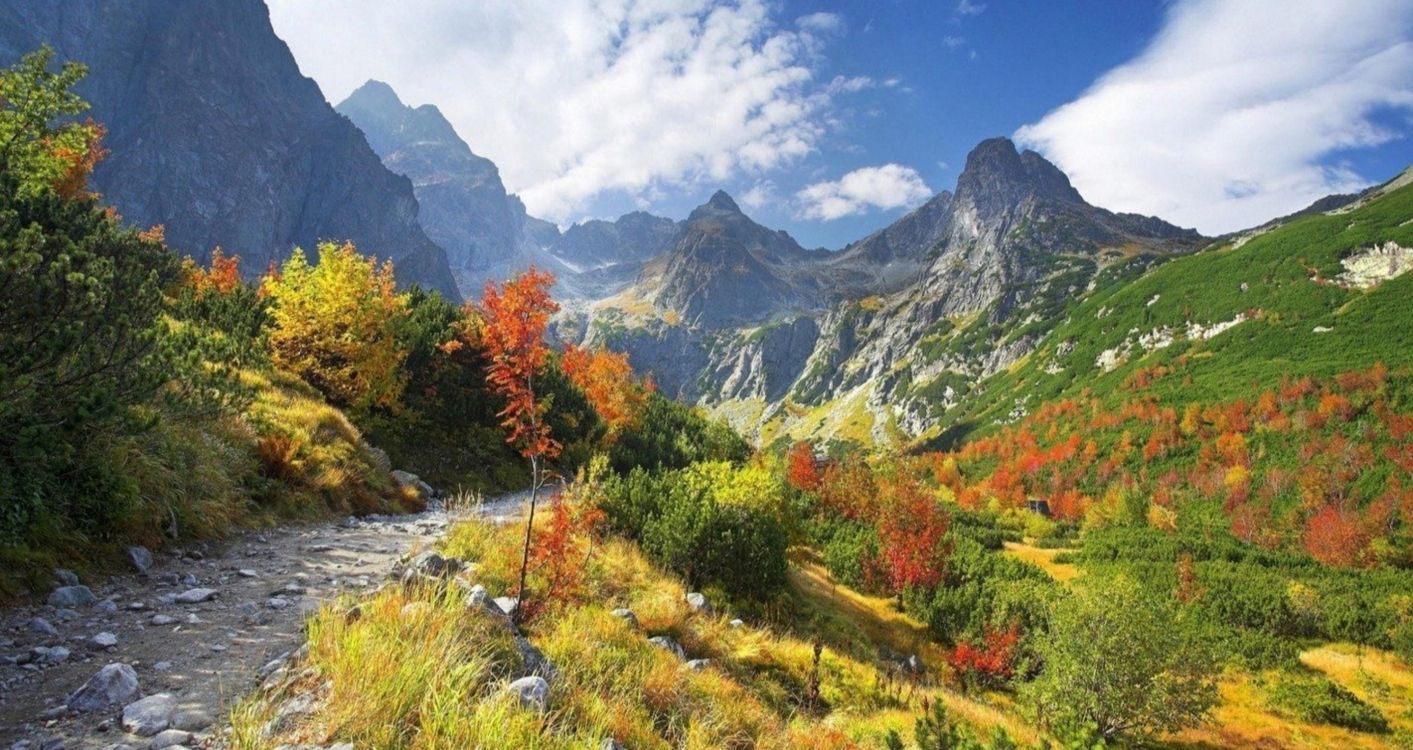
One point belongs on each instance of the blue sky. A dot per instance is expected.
(830, 120)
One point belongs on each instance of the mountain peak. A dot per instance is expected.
(375, 94)
(721, 201)
(995, 168)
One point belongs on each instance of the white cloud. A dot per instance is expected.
(886, 186)
(967, 8)
(1232, 114)
(576, 98)
(845, 85)
(953, 42)
(760, 195)
(821, 22)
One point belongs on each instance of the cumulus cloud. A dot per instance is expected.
(760, 195)
(1238, 110)
(575, 98)
(887, 186)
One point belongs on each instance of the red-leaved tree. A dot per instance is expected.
(801, 468)
(607, 380)
(912, 531)
(988, 663)
(516, 315)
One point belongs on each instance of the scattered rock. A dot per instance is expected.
(55, 712)
(667, 644)
(66, 577)
(195, 596)
(252, 614)
(247, 573)
(532, 692)
(103, 640)
(136, 606)
(169, 738)
(41, 626)
(535, 661)
(408, 479)
(627, 616)
(697, 665)
(160, 620)
(66, 614)
(914, 665)
(737, 623)
(611, 744)
(479, 600)
(191, 720)
(140, 557)
(72, 596)
(162, 666)
(150, 715)
(507, 604)
(697, 602)
(107, 605)
(277, 602)
(49, 656)
(111, 686)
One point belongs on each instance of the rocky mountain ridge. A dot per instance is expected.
(888, 331)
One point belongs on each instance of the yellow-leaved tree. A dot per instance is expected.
(334, 325)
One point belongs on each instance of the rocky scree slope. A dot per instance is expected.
(215, 134)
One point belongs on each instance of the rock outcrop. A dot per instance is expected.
(215, 134)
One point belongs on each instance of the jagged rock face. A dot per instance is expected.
(891, 257)
(215, 134)
(633, 238)
(465, 207)
(724, 269)
(962, 287)
(762, 364)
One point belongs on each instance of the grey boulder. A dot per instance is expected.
(41, 626)
(110, 686)
(626, 615)
(168, 738)
(697, 602)
(150, 715)
(667, 644)
(140, 557)
(72, 596)
(532, 692)
(195, 596)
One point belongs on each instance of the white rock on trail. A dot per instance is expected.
(195, 596)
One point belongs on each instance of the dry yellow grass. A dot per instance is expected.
(878, 621)
(418, 670)
(1045, 560)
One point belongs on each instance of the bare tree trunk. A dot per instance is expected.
(522, 594)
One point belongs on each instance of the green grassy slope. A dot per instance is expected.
(1278, 283)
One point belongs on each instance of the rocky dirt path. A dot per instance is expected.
(198, 626)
